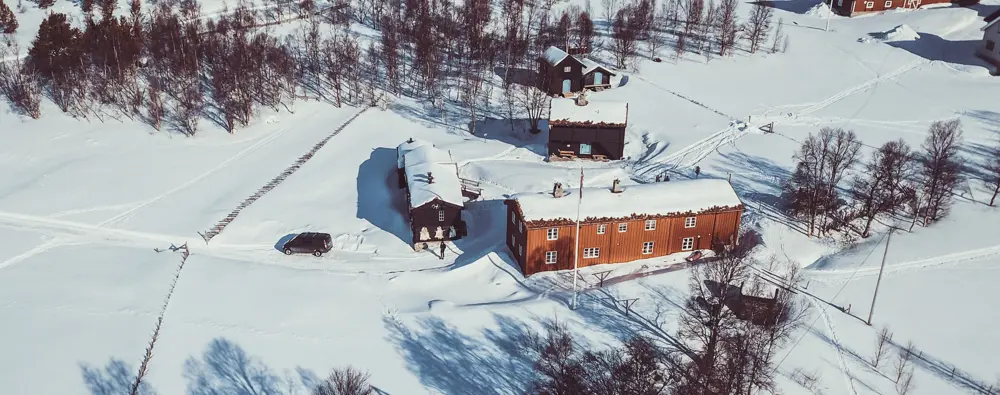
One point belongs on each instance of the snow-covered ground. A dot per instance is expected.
(84, 204)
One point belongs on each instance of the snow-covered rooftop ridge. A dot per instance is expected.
(431, 174)
(590, 65)
(655, 199)
(554, 55)
(567, 112)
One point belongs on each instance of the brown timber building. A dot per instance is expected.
(636, 222)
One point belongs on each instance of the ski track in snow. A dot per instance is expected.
(829, 275)
(848, 378)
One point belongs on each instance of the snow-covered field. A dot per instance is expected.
(84, 204)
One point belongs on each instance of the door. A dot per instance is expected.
(598, 78)
(584, 149)
(567, 86)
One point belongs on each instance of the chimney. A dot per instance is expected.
(557, 190)
(430, 178)
(581, 100)
(615, 187)
(410, 140)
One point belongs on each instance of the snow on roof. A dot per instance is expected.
(408, 146)
(554, 55)
(426, 159)
(991, 20)
(590, 65)
(655, 199)
(565, 112)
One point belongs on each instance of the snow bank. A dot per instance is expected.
(820, 10)
(662, 198)
(899, 33)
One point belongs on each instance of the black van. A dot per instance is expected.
(309, 242)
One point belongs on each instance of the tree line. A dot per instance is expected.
(171, 66)
(896, 181)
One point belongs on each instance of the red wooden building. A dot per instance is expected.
(858, 7)
(620, 224)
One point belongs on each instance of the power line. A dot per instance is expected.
(842, 287)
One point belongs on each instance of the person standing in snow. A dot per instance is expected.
(697, 171)
(442, 251)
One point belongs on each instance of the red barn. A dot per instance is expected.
(620, 224)
(857, 7)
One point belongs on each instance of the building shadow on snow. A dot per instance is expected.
(515, 133)
(793, 6)
(935, 48)
(381, 200)
(516, 75)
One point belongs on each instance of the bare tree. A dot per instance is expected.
(535, 104)
(692, 21)
(559, 367)
(20, 84)
(883, 341)
(993, 170)
(779, 37)
(611, 8)
(708, 30)
(941, 168)
(879, 189)
(758, 25)
(905, 384)
(728, 26)
(585, 31)
(345, 381)
(904, 361)
(625, 30)
(823, 160)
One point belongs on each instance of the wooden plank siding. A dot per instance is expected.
(615, 246)
(426, 216)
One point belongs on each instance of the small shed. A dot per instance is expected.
(587, 129)
(595, 76)
(434, 192)
(989, 49)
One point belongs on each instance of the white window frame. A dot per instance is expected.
(567, 69)
(513, 242)
(650, 224)
(623, 227)
(513, 218)
(552, 234)
(593, 252)
(888, 4)
(690, 222)
(602, 229)
(520, 250)
(689, 241)
(647, 247)
(551, 257)
(520, 226)
(440, 215)
(840, 3)
(869, 5)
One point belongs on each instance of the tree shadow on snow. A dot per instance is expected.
(935, 48)
(381, 200)
(451, 362)
(515, 133)
(223, 368)
(516, 75)
(793, 6)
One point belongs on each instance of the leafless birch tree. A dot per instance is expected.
(941, 168)
(758, 25)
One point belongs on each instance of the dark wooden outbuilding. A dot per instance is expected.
(595, 76)
(639, 222)
(595, 130)
(560, 73)
(435, 195)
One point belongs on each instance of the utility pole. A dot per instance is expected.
(879, 281)
(828, 15)
(576, 248)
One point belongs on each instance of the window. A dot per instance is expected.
(690, 222)
(622, 228)
(567, 69)
(869, 5)
(888, 4)
(513, 219)
(584, 149)
(650, 224)
(521, 226)
(440, 215)
(687, 244)
(989, 45)
(550, 257)
(647, 248)
(512, 242)
(591, 253)
(552, 234)
(520, 250)
(601, 229)
(840, 3)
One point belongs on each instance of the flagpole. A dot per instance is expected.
(576, 248)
